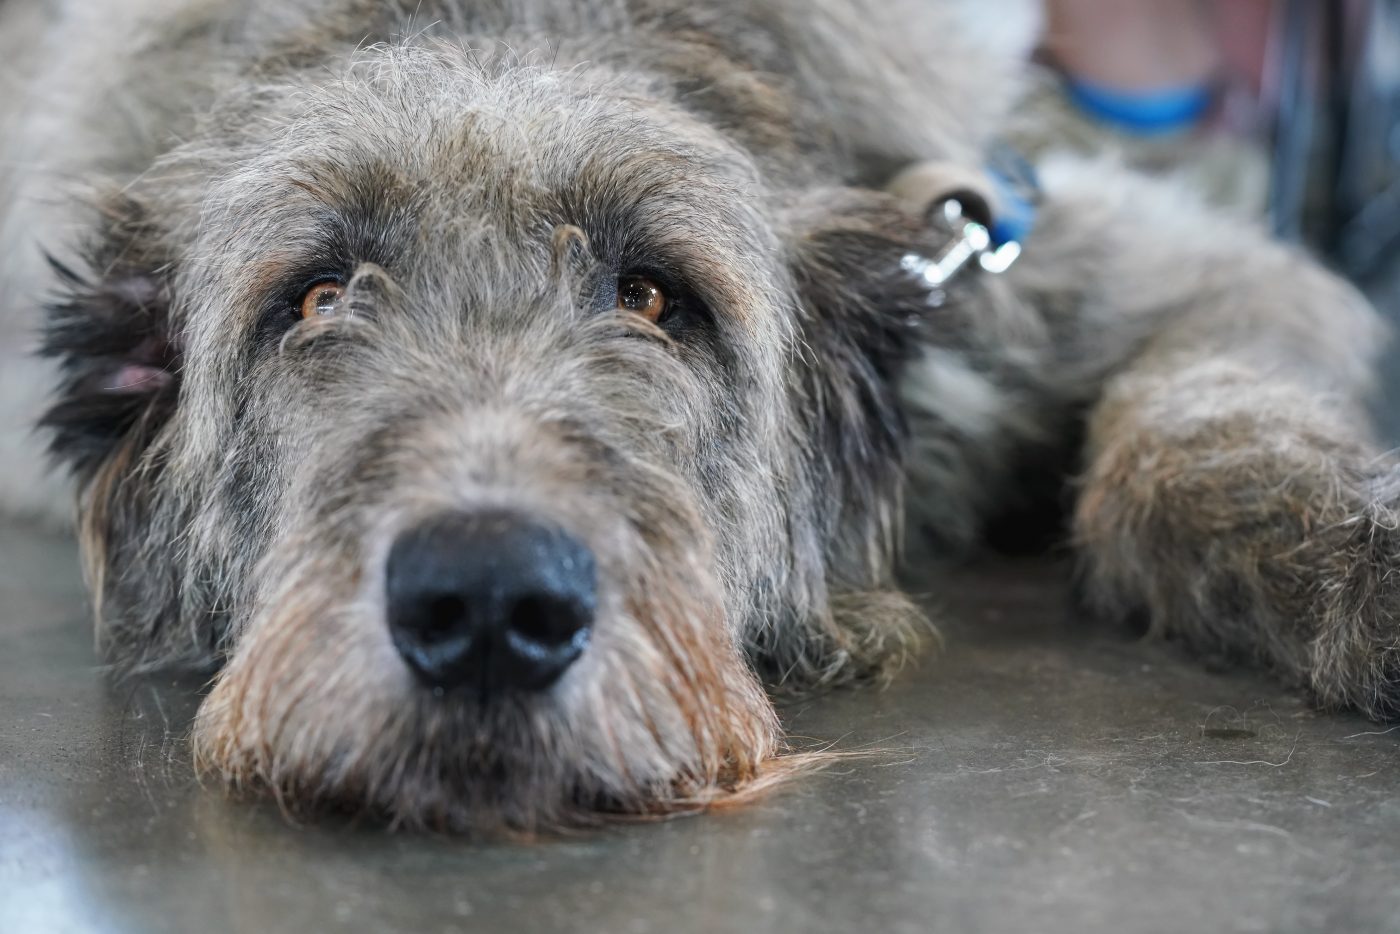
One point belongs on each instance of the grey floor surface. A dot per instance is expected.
(1038, 775)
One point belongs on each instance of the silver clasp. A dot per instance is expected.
(970, 241)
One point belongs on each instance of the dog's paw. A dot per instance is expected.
(1250, 535)
(866, 637)
(1356, 652)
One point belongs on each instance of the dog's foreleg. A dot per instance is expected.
(1229, 488)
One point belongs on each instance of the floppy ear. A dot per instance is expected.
(860, 320)
(110, 329)
(862, 314)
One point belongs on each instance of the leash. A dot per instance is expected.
(987, 215)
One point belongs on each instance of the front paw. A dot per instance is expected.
(1356, 652)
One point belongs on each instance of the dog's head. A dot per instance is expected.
(491, 424)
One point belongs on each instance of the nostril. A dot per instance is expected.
(442, 618)
(546, 621)
(543, 636)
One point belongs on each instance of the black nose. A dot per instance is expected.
(491, 601)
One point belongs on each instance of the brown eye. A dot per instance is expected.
(322, 299)
(641, 296)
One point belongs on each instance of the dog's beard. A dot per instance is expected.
(661, 714)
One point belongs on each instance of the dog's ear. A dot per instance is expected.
(109, 327)
(861, 315)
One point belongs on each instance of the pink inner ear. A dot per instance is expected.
(137, 378)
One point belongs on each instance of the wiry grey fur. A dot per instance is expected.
(474, 170)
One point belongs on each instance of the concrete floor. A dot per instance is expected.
(1037, 776)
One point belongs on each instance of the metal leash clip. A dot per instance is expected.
(971, 240)
(990, 233)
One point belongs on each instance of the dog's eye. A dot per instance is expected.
(641, 296)
(323, 298)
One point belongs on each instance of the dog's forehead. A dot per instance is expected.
(478, 127)
(441, 140)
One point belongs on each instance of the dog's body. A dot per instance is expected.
(613, 288)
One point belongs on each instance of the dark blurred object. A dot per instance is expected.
(1335, 179)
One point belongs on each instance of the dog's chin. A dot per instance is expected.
(316, 708)
(455, 769)
(448, 764)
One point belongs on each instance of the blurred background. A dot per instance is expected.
(1285, 108)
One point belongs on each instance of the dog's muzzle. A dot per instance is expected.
(490, 602)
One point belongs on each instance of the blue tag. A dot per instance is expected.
(1018, 193)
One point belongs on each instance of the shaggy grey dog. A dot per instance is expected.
(502, 391)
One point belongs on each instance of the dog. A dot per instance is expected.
(507, 397)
